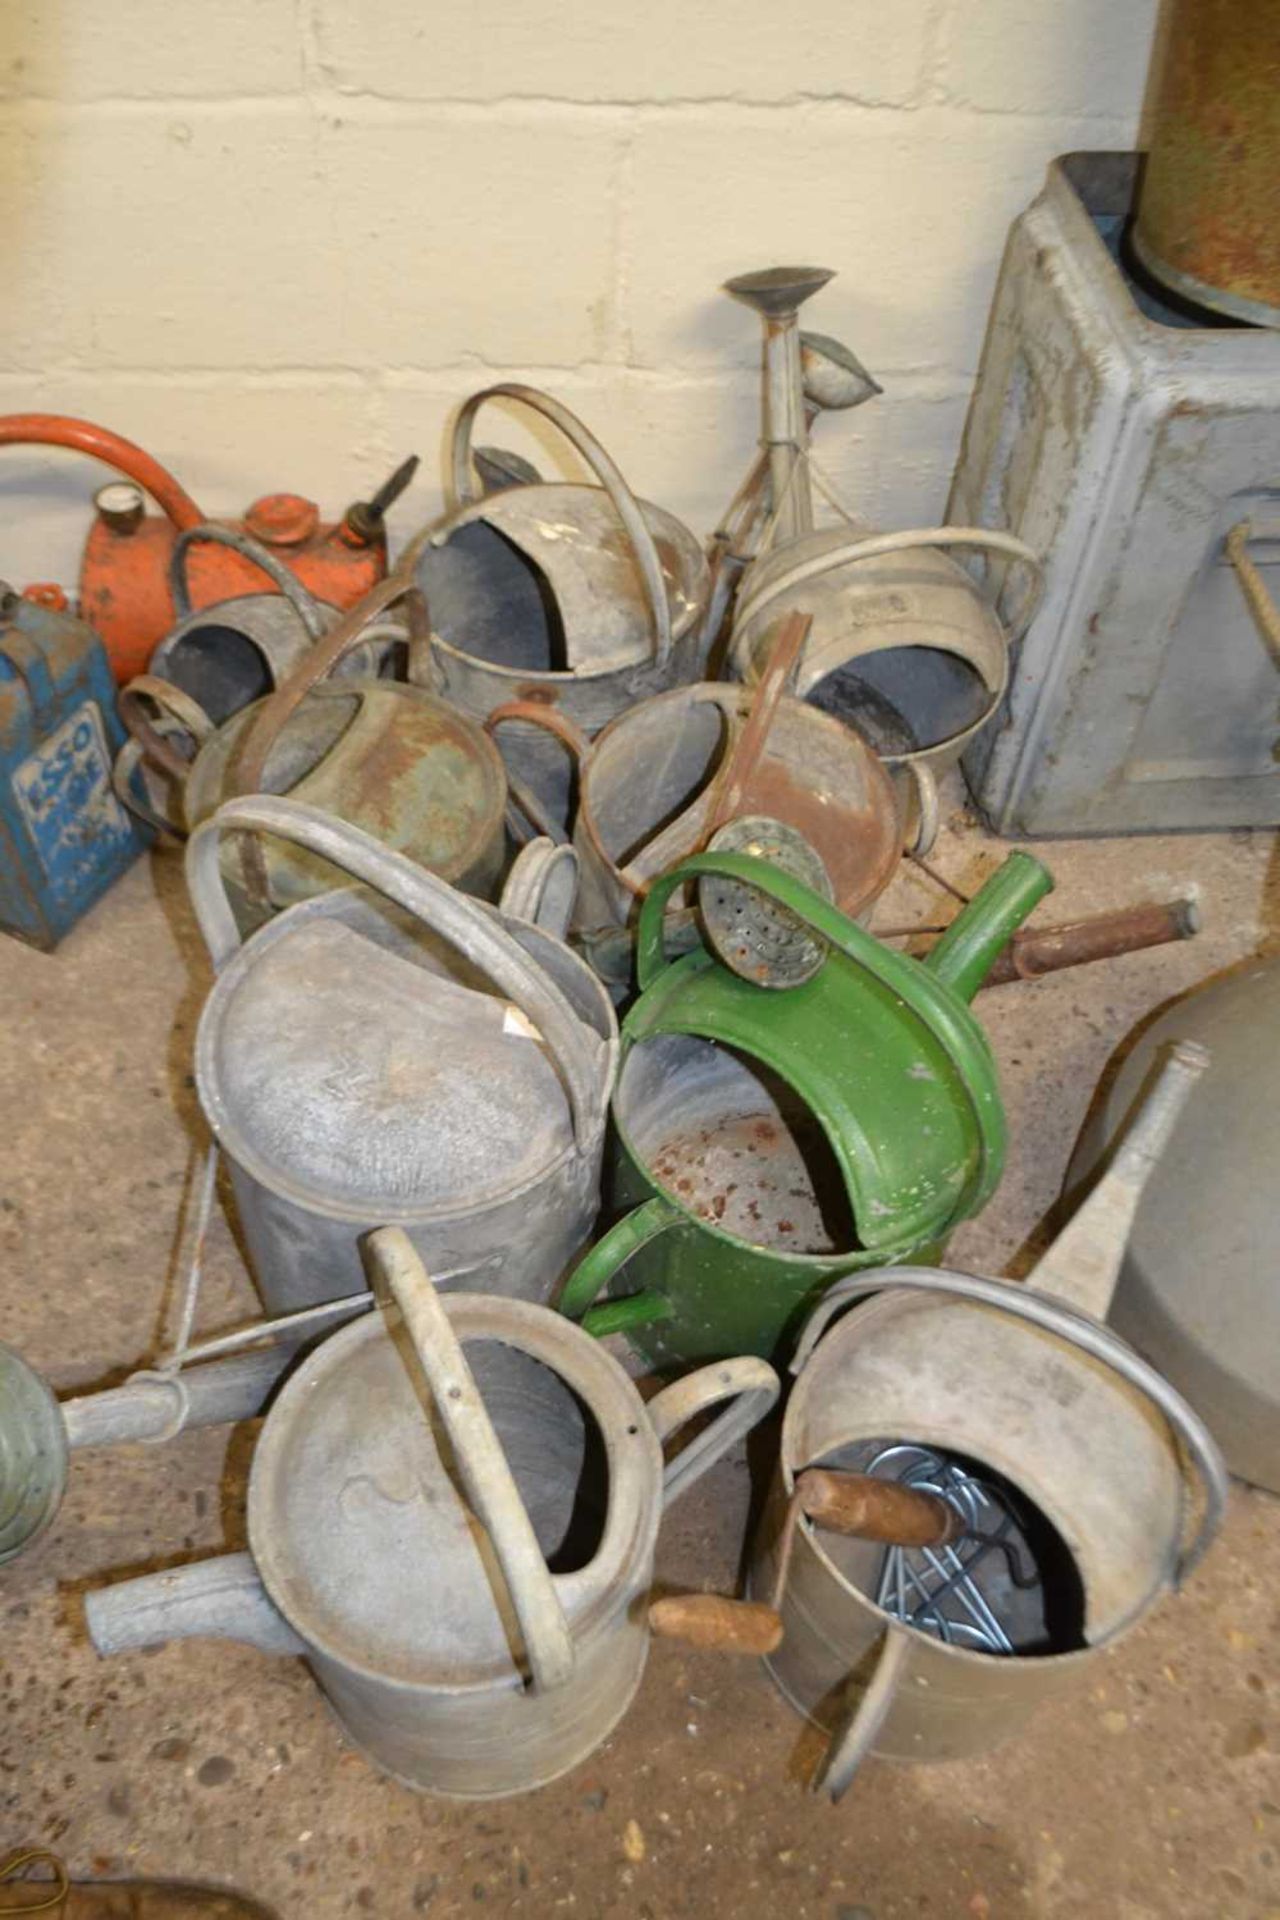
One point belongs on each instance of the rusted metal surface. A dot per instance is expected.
(390, 758)
(650, 778)
(1207, 222)
(767, 1177)
(1126, 443)
(1034, 951)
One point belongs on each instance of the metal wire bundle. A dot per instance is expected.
(934, 1588)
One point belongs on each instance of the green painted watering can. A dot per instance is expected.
(768, 1140)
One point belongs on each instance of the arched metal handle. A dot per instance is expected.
(304, 604)
(482, 1464)
(127, 769)
(177, 707)
(542, 886)
(860, 1725)
(536, 713)
(751, 1385)
(1079, 1330)
(624, 501)
(432, 901)
(877, 546)
(249, 761)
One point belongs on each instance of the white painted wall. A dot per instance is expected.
(277, 240)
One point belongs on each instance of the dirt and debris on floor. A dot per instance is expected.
(1152, 1792)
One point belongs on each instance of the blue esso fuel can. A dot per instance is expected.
(64, 836)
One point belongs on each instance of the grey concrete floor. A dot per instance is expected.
(1153, 1791)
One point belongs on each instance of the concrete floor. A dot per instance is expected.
(1152, 1792)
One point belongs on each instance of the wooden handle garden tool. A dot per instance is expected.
(857, 1505)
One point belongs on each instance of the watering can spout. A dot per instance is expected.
(1083, 1264)
(968, 950)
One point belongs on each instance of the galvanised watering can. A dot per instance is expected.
(770, 1139)
(386, 755)
(452, 1515)
(398, 1053)
(1116, 1484)
(580, 597)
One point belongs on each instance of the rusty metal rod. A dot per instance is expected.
(1034, 951)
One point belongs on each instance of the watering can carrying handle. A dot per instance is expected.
(542, 886)
(624, 501)
(750, 1384)
(877, 546)
(859, 1725)
(431, 901)
(599, 1264)
(536, 713)
(1020, 877)
(304, 604)
(481, 1462)
(175, 706)
(249, 761)
(1079, 1330)
(126, 770)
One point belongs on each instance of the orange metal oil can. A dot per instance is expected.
(125, 593)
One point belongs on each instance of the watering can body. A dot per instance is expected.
(428, 1062)
(903, 645)
(1025, 1382)
(580, 598)
(450, 1652)
(649, 781)
(752, 1125)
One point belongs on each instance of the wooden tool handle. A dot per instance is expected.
(711, 1621)
(871, 1509)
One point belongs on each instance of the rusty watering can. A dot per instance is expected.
(579, 597)
(452, 1517)
(1028, 1385)
(421, 1059)
(648, 786)
(771, 1139)
(903, 644)
(386, 755)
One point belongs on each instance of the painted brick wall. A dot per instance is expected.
(278, 240)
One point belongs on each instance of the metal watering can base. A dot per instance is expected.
(769, 1140)
(1028, 1383)
(452, 1516)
